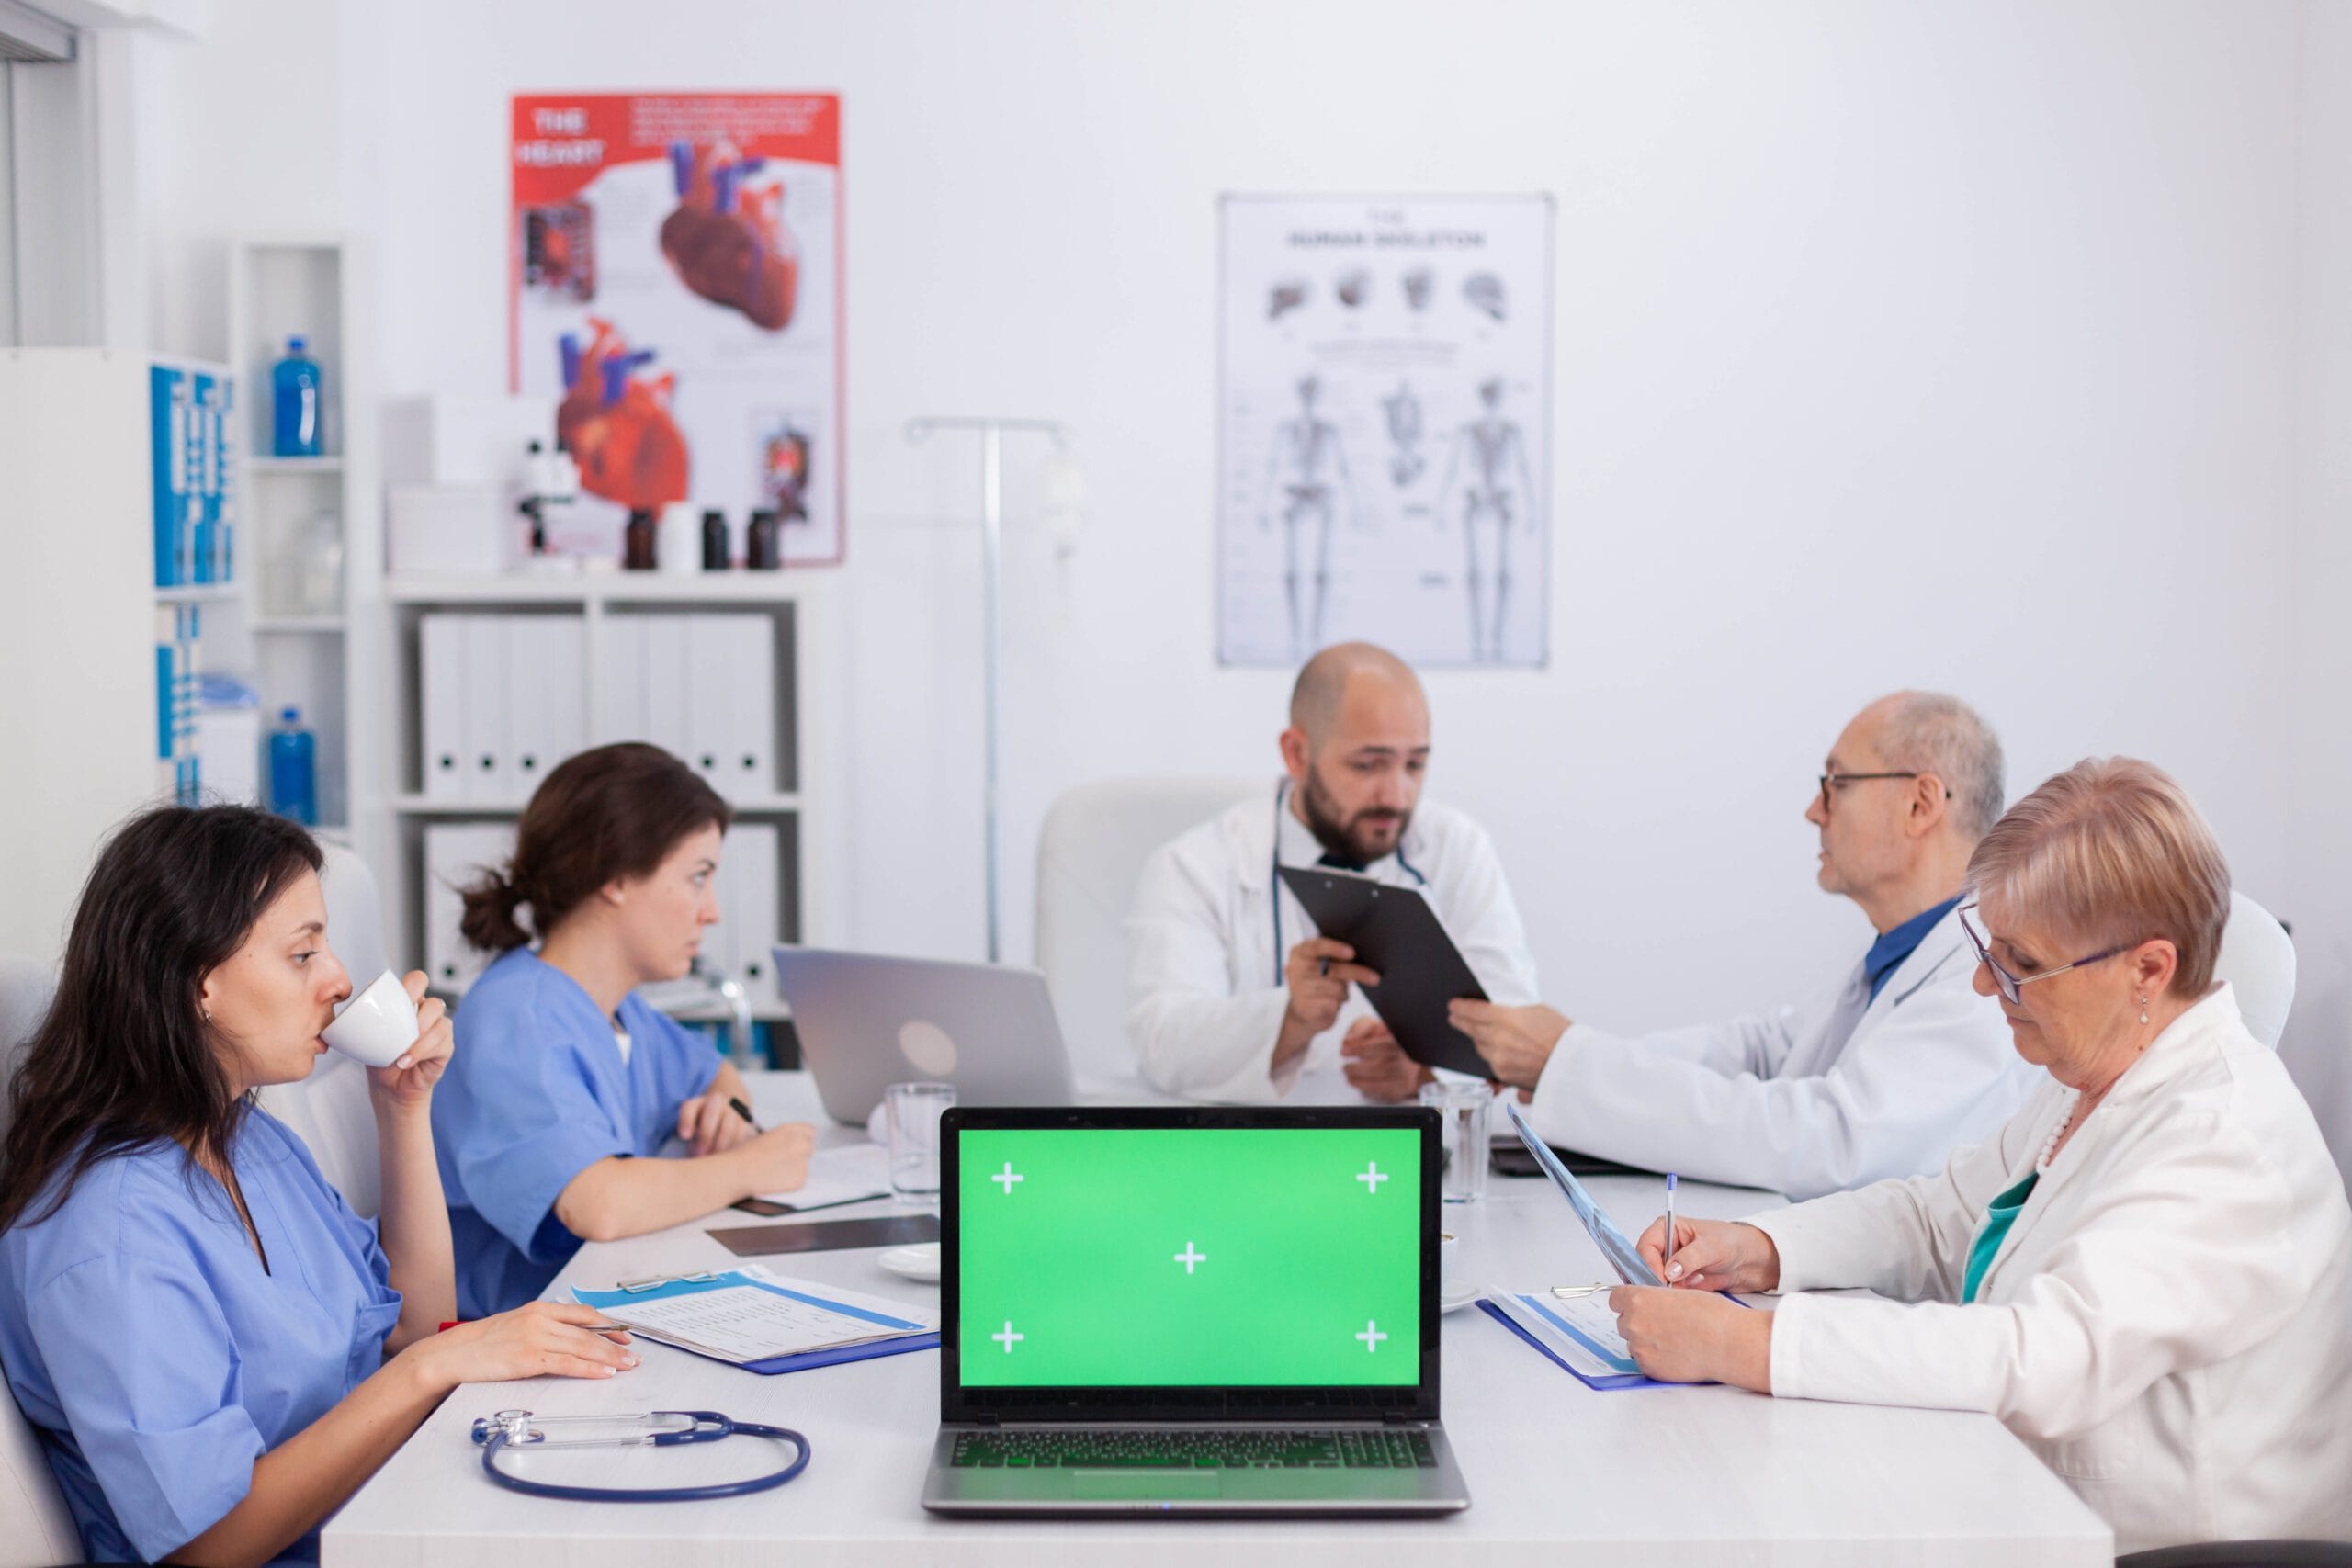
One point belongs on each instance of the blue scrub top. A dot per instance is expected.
(535, 1093)
(157, 1356)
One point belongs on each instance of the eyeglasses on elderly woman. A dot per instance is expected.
(2008, 984)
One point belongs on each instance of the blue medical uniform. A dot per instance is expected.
(159, 1359)
(537, 1093)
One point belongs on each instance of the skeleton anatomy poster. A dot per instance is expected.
(1384, 460)
(675, 276)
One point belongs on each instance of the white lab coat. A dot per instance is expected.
(1205, 996)
(1839, 1090)
(2168, 1323)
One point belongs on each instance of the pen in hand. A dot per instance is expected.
(1666, 1254)
(744, 1111)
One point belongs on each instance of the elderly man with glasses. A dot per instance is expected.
(1881, 1074)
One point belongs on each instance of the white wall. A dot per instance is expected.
(2319, 738)
(1942, 343)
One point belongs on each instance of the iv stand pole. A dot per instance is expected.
(992, 432)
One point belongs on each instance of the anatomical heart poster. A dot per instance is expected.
(1384, 427)
(675, 279)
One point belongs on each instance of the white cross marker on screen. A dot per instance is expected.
(1372, 1337)
(1006, 1178)
(1372, 1176)
(1008, 1337)
(1189, 1256)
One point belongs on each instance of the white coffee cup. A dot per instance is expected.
(376, 1027)
(1449, 1263)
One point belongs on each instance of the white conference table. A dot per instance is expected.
(1645, 1476)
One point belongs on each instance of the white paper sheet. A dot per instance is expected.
(744, 1323)
(836, 1176)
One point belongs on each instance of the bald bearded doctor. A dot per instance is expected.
(1232, 995)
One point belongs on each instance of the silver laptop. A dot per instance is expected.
(1197, 1311)
(866, 1021)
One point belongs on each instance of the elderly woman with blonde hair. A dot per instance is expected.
(2146, 1274)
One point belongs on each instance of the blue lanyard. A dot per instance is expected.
(1275, 874)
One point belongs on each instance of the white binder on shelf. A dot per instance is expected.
(752, 907)
(441, 686)
(486, 763)
(620, 679)
(456, 855)
(545, 695)
(751, 687)
(667, 665)
(710, 711)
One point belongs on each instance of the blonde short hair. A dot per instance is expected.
(2112, 853)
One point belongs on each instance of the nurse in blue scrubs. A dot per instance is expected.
(215, 1349)
(566, 1080)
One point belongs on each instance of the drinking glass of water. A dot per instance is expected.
(1463, 1109)
(914, 1112)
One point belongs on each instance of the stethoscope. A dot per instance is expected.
(657, 1429)
(1275, 874)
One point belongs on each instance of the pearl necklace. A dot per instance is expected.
(2049, 1144)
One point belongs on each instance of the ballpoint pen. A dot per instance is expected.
(1667, 1250)
(744, 1111)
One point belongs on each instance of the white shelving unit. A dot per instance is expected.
(808, 738)
(317, 657)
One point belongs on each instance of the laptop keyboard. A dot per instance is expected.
(1208, 1448)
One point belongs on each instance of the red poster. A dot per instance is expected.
(674, 282)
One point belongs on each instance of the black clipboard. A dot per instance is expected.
(1395, 932)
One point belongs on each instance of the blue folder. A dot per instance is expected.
(800, 1361)
(1618, 1380)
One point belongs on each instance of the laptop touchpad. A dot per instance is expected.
(1142, 1484)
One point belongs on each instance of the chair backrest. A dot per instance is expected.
(2258, 958)
(36, 1528)
(1090, 854)
(328, 1109)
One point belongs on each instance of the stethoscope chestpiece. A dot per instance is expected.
(514, 1426)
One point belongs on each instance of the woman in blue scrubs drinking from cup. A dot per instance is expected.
(215, 1349)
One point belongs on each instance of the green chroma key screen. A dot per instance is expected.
(1189, 1256)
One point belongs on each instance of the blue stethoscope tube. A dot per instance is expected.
(515, 1428)
(1275, 874)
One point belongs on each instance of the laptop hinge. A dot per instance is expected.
(1398, 1418)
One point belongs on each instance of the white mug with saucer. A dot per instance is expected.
(376, 1027)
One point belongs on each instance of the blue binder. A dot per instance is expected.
(917, 1338)
(1622, 1380)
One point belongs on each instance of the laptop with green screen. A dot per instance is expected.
(1210, 1309)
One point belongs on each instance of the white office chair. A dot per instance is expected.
(36, 1528)
(1090, 854)
(2258, 958)
(328, 1109)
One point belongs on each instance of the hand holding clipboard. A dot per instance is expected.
(1396, 934)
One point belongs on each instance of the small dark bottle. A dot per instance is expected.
(765, 549)
(714, 541)
(637, 542)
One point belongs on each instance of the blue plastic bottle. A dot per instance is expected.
(295, 403)
(294, 769)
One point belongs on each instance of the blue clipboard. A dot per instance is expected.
(1614, 1381)
(800, 1361)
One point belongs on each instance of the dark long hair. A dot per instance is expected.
(608, 812)
(122, 1060)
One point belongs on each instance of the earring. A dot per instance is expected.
(2144, 1010)
(208, 1015)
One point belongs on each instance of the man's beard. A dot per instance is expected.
(1352, 840)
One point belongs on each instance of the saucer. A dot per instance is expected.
(918, 1262)
(1449, 1301)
